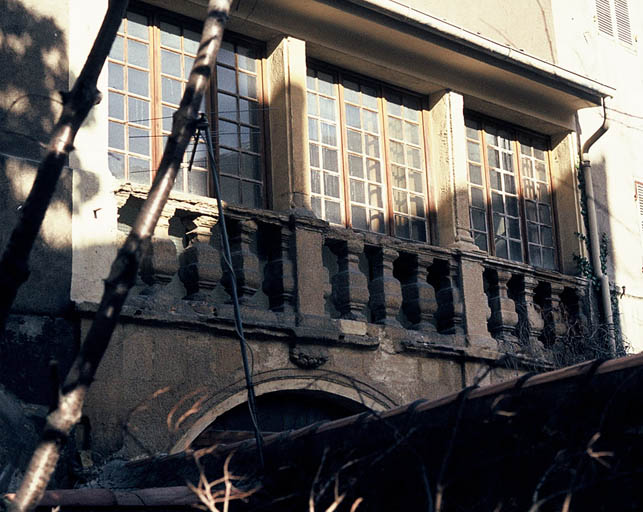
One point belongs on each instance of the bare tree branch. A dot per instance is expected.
(123, 272)
(14, 266)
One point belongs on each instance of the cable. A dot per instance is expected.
(204, 127)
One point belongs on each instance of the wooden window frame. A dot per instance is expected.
(155, 17)
(516, 133)
(382, 89)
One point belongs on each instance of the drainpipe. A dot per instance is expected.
(586, 169)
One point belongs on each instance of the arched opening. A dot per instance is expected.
(276, 412)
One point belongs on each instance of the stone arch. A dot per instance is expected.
(330, 384)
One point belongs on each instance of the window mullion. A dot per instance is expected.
(156, 109)
(388, 211)
(521, 200)
(343, 171)
(485, 166)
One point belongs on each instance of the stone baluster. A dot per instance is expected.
(450, 308)
(420, 305)
(159, 265)
(534, 314)
(555, 327)
(386, 291)
(279, 285)
(245, 260)
(504, 318)
(201, 261)
(350, 286)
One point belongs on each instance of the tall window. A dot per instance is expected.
(510, 200)
(149, 66)
(367, 157)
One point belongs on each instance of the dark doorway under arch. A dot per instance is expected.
(276, 412)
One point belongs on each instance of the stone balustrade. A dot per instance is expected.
(319, 282)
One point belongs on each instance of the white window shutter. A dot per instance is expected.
(623, 28)
(604, 17)
(639, 202)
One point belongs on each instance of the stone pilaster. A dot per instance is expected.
(476, 307)
(288, 123)
(449, 169)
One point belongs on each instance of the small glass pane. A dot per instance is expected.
(116, 51)
(512, 205)
(479, 220)
(116, 136)
(394, 103)
(501, 248)
(247, 85)
(329, 159)
(532, 232)
(375, 196)
(411, 108)
(412, 133)
(395, 128)
(418, 230)
(417, 206)
(170, 63)
(398, 174)
(171, 90)
(170, 36)
(377, 221)
(497, 203)
(115, 76)
(139, 141)
(333, 212)
(188, 62)
(515, 250)
(315, 182)
(529, 189)
(351, 91)
(548, 259)
(514, 228)
(246, 58)
(534, 255)
(137, 25)
(228, 134)
(226, 79)
(331, 185)
(399, 202)
(358, 215)
(413, 157)
(546, 236)
(530, 207)
(373, 170)
(251, 193)
(510, 184)
(358, 193)
(328, 133)
(355, 166)
(541, 171)
(137, 53)
(312, 104)
(402, 228)
(371, 123)
(507, 162)
(353, 116)
(326, 82)
(116, 163)
(198, 183)
(312, 129)
(493, 157)
(226, 54)
(369, 97)
(315, 202)
(138, 82)
(372, 145)
(477, 198)
(473, 150)
(139, 170)
(415, 181)
(499, 225)
(475, 174)
(496, 180)
(314, 155)
(167, 118)
(116, 105)
(227, 106)
(249, 112)
(251, 167)
(480, 239)
(191, 41)
(138, 111)
(544, 214)
(327, 108)
(230, 190)
(354, 141)
(229, 162)
(396, 151)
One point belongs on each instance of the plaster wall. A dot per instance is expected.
(616, 158)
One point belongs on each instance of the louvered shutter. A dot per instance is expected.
(604, 17)
(623, 28)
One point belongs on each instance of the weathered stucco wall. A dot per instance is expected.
(617, 162)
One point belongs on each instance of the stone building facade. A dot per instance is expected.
(401, 193)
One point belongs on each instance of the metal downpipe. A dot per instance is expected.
(594, 242)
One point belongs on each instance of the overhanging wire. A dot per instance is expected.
(203, 131)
